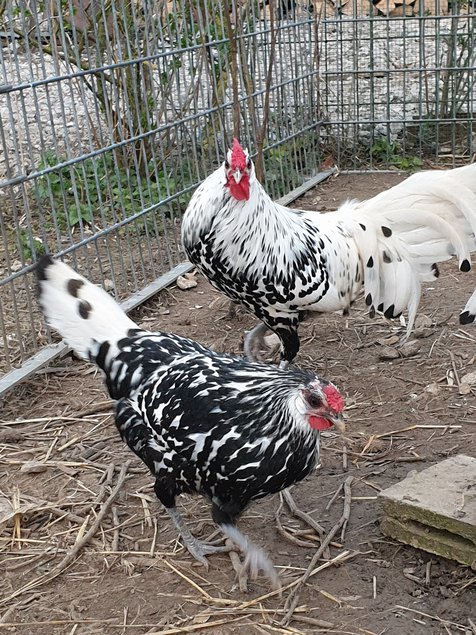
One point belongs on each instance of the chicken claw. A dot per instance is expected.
(254, 342)
(256, 559)
(198, 549)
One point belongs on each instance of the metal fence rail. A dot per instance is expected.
(112, 113)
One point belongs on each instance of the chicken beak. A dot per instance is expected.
(237, 175)
(338, 421)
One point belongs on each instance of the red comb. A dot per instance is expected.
(238, 157)
(334, 398)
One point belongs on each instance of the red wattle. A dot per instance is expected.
(240, 191)
(319, 423)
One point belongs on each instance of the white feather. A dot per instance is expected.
(105, 319)
(432, 216)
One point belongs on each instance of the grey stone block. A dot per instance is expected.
(435, 509)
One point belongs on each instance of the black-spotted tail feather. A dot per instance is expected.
(468, 315)
(81, 312)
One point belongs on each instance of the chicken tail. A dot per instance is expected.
(82, 313)
(468, 314)
(403, 233)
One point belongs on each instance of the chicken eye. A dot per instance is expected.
(314, 401)
(248, 164)
(227, 165)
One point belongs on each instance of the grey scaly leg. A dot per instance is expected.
(254, 342)
(196, 548)
(256, 559)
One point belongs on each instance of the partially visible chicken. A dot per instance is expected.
(228, 429)
(281, 263)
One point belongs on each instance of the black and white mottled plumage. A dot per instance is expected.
(231, 430)
(281, 263)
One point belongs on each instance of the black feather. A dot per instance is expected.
(466, 318)
(465, 265)
(42, 265)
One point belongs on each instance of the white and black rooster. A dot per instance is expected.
(221, 426)
(281, 263)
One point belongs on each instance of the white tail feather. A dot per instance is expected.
(425, 220)
(468, 314)
(81, 312)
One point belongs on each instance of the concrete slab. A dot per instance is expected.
(435, 509)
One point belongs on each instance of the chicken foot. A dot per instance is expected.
(254, 342)
(255, 560)
(198, 549)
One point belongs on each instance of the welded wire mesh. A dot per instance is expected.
(398, 85)
(112, 112)
(111, 115)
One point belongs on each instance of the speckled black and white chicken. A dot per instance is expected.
(281, 263)
(221, 426)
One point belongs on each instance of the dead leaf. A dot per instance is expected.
(8, 510)
(469, 378)
(201, 619)
(10, 436)
(423, 322)
(33, 467)
(388, 341)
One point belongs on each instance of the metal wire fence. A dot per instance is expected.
(398, 85)
(112, 113)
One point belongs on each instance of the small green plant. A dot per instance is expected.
(383, 151)
(99, 191)
(29, 245)
(66, 191)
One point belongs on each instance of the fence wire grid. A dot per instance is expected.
(112, 113)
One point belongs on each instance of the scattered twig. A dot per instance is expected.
(285, 533)
(101, 406)
(292, 599)
(198, 588)
(115, 522)
(227, 10)
(418, 427)
(334, 496)
(428, 573)
(259, 162)
(455, 370)
(195, 627)
(79, 544)
(312, 621)
(436, 618)
(298, 513)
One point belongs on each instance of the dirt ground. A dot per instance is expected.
(91, 551)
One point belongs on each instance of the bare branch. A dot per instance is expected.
(233, 60)
(259, 162)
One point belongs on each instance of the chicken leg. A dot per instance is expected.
(256, 559)
(254, 342)
(198, 549)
